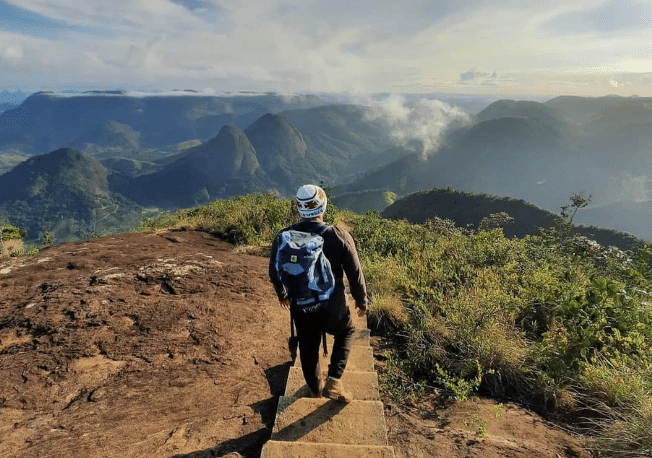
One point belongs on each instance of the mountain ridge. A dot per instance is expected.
(538, 152)
(467, 210)
(65, 192)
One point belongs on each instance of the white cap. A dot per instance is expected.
(311, 201)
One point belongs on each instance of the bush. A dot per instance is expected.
(523, 319)
(252, 219)
(11, 240)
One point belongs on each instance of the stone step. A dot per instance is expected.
(360, 359)
(360, 322)
(327, 421)
(276, 449)
(362, 385)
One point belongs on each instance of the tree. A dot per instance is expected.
(578, 201)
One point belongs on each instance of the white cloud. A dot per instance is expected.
(310, 45)
(10, 51)
(417, 125)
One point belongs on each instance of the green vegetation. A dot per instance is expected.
(517, 217)
(251, 219)
(9, 232)
(552, 321)
(11, 241)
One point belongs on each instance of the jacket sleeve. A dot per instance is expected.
(273, 272)
(353, 270)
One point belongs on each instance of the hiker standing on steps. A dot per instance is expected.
(319, 316)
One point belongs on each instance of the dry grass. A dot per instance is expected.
(387, 312)
(11, 246)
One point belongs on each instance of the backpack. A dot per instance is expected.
(304, 270)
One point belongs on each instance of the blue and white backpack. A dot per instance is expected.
(304, 270)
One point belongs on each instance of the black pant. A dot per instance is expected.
(309, 331)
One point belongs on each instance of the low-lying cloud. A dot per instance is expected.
(417, 125)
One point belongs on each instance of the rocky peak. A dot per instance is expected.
(276, 140)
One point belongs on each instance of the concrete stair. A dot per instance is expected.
(314, 450)
(363, 385)
(326, 421)
(360, 359)
(322, 428)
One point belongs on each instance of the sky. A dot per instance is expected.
(510, 47)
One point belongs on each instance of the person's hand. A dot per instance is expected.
(362, 308)
(285, 303)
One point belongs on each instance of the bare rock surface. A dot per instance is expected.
(139, 345)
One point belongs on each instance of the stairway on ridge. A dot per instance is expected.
(323, 428)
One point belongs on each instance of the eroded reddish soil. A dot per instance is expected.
(173, 345)
(139, 345)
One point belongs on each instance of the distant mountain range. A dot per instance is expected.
(179, 150)
(542, 153)
(48, 121)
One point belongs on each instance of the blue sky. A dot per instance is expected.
(548, 47)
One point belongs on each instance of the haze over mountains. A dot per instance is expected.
(11, 99)
(179, 150)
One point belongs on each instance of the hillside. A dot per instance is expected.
(65, 193)
(343, 140)
(467, 210)
(615, 215)
(172, 344)
(582, 110)
(224, 166)
(108, 140)
(281, 151)
(10, 100)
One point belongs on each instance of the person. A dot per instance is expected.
(339, 248)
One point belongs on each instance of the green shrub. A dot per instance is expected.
(251, 219)
(518, 318)
(11, 240)
(9, 232)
